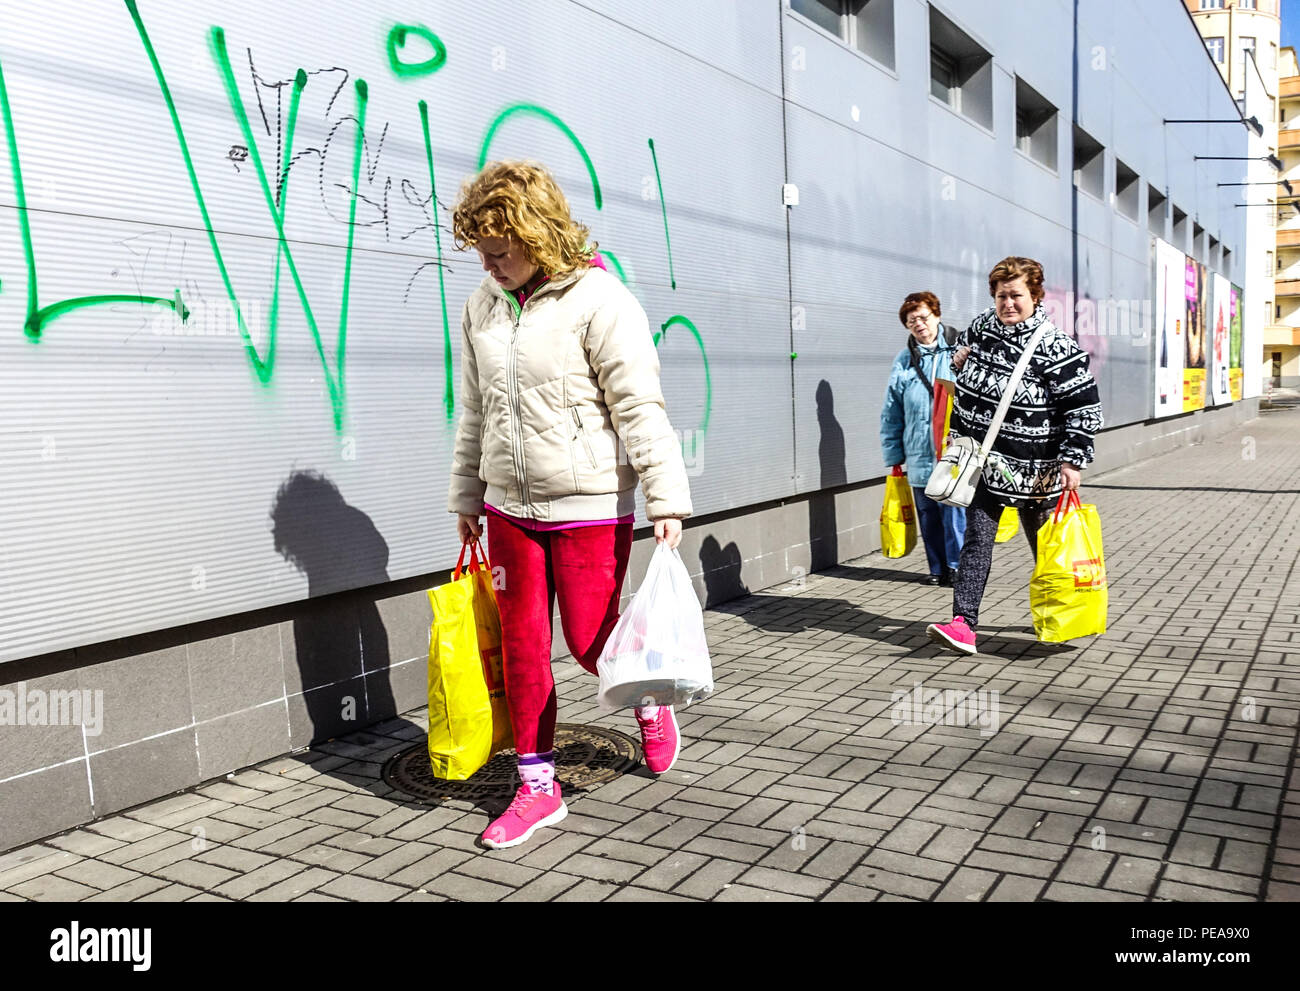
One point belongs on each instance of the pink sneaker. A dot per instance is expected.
(955, 635)
(527, 813)
(660, 739)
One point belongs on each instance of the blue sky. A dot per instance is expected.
(1290, 23)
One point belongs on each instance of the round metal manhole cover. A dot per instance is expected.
(585, 756)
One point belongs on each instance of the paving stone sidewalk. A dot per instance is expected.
(1157, 762)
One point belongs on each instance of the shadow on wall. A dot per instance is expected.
(823, 533)
(338, 548)
(721, 566)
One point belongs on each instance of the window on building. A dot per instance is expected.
(1246, 51)
(1035, 125)
(824, 13)
(1215, 46)
(943, 79)
(1268, 268)
(1155, 211)
(1211, 4)
(1127, 188)
(961, 72)
(1089, 164)
(1245, 4)
(867, 25)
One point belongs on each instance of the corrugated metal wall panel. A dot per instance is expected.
(157, 473)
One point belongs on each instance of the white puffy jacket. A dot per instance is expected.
(559, 396)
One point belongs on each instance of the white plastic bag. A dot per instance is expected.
(657, 654)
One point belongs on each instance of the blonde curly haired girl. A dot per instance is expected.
(563, 416)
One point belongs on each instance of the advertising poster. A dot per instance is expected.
(1194, 335)
(1217, 343)
(1170, 312)
(1234, 344)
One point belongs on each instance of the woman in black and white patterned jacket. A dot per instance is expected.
(1045, 442)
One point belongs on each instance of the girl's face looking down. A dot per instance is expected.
(506, 260)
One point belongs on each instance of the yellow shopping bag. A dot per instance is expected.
(897, 517)
(1008, 525)
(1068, 593)
(468, 718)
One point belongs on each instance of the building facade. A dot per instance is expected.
(229, 325)
(1282, 339)
(1242, 38)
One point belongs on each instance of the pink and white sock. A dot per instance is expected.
(537, 771)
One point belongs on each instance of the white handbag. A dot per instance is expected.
(957, 472)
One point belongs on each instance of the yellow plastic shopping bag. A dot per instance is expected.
(468, 718)
(897, 517)
(1068, 593)
(1008, 525)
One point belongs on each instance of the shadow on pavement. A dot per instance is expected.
(721, 567)
(873, 574)
(1191, 488)
(823, 529)
(340, 643)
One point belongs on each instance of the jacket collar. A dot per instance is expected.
(1022, 331)
(550, 285)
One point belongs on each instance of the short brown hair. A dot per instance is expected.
(915, 301)
(1012, 268)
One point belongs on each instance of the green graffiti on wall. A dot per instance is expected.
(397, 39)
(529, 110)
(704, 354)
(264, 366)
(448, 389)
(664, 208)
(38, 316)
(276, 194)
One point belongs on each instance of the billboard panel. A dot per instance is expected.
(1171, 311)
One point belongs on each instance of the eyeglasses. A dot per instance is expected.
(919, 317)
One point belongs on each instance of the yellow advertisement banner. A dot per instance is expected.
(1234, 383)
(1193, 389)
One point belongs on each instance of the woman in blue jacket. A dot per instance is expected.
(906, 436)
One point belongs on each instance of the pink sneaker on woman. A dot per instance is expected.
(660, 739)
(955, 635)
(529, 812)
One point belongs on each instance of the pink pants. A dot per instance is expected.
(584, 569)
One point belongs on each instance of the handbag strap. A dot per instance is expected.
(1068, 501)
(914, 359)
(474, 563)
(1017, 374)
